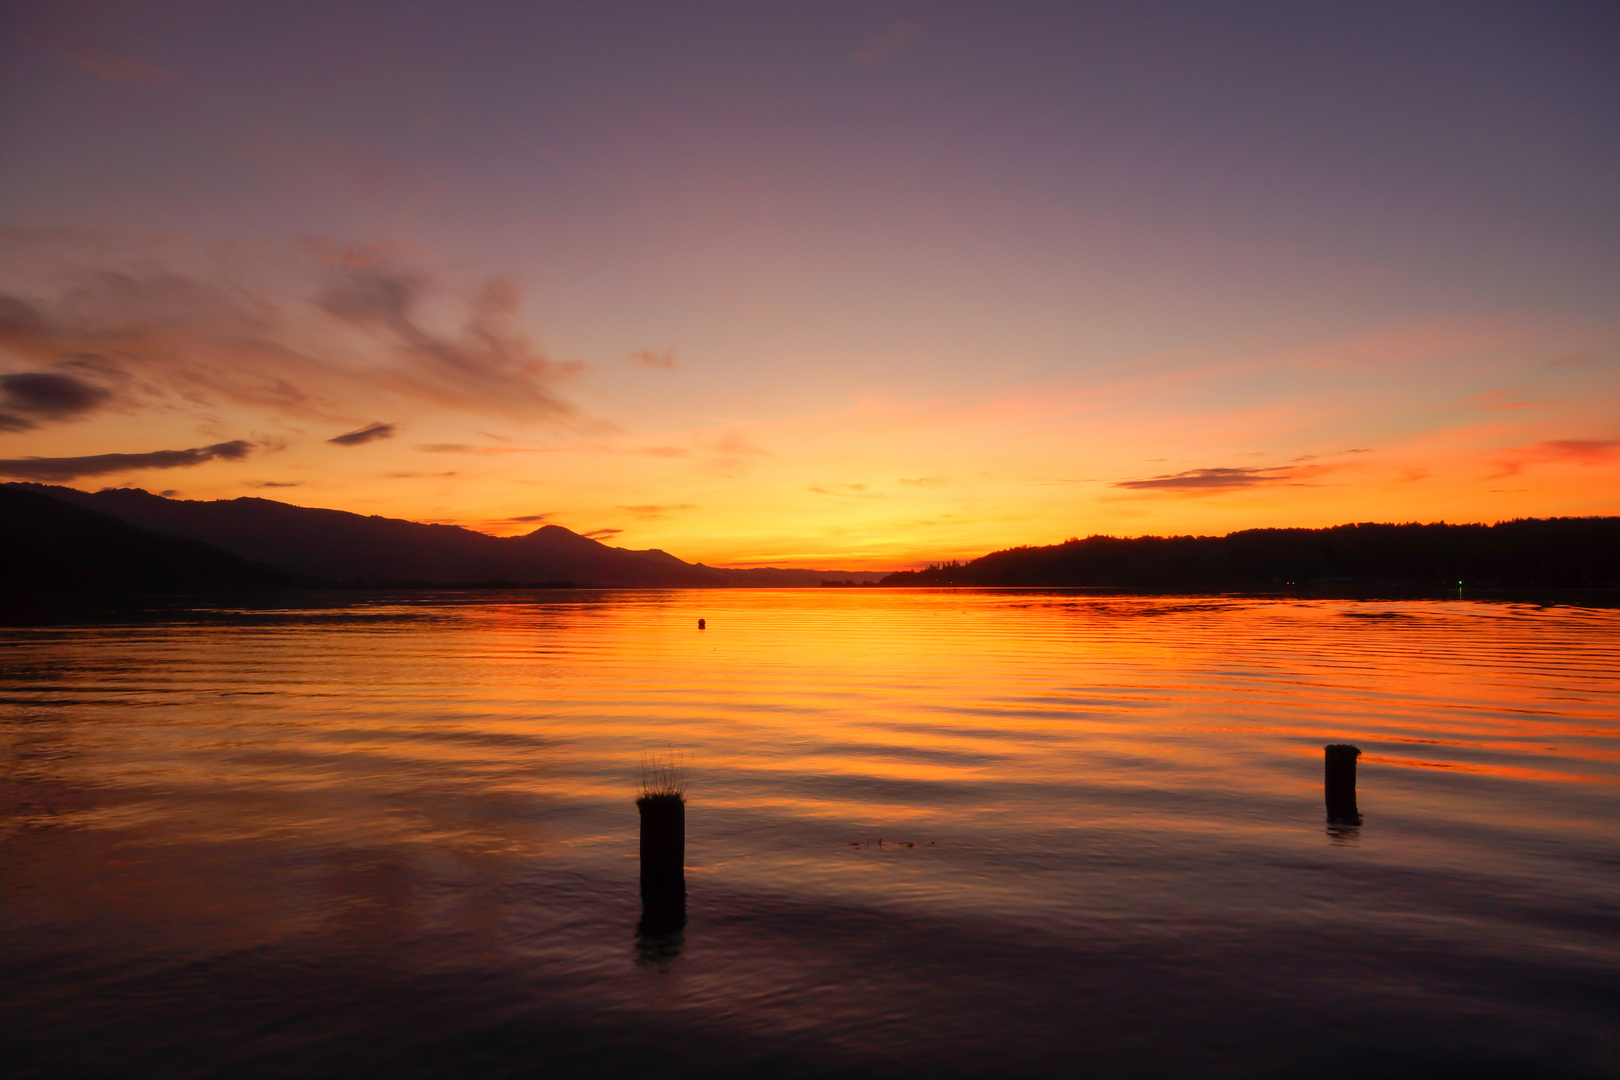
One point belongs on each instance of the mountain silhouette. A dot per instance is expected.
(340, 546)
(49, 547)
(1553, 552)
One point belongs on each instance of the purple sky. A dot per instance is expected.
(853, 244)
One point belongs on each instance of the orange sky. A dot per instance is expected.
(819, 292)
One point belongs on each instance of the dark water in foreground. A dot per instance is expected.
(394, 836)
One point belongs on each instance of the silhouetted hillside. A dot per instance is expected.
(49, 547)
(345, 547)
(338, 545)
(1564, 552)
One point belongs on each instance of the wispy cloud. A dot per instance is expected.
(369, 433)
(663, 360)
(486, 363)
(469, 448)
(275, 484)
(656, 511)
(901, 32)
(205, 339)
(103, 63)
(70, 468)
(114, 67)
(844, 491)
(735, 444)
(1498, 400)
(731, 453)
(597, 534)
(1213, 479)
(1555, 451)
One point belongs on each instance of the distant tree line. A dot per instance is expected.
(1560, 552)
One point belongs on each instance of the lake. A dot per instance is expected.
(945, 833)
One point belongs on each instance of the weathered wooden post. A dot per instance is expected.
(663, 845)
(663, 842)
(1340, 784)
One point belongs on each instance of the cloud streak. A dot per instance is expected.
(653, 510)
(900, 33)
(664, 361)
(369, 433)
(1555, 451)
(115, 68)
(71, 468)
(1215, 479)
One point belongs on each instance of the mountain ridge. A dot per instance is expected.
(347, 548)
(49, 546)
(1562, 552)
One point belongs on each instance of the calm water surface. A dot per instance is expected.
(978, 834)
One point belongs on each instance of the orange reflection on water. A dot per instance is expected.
(424, 786)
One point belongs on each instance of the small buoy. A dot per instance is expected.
(702, 624)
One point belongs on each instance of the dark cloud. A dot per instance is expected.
(31, 396)
(1218, 479)
(529, 517)
(275, 484)
(70, 468)
(597, 534)
(369, 433)
(664, 360)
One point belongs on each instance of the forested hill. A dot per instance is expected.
(1526, 552)
(49, 547)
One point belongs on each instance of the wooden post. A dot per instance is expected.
(663, 863)
(1340, 784)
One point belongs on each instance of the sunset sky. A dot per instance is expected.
(835, 284)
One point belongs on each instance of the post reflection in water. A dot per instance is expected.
(659, 934)
(390, 836)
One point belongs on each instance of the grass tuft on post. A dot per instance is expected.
(662, 807)
(665, 774)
